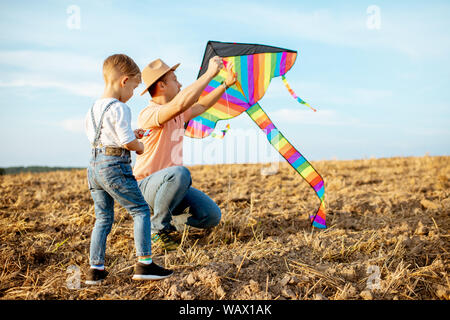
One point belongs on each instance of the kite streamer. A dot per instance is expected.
(222, 134)
(255, 66)
(293, 93)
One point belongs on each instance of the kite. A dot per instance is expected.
(255, 66)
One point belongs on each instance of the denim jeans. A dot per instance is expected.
(111, 178)
(169, 192)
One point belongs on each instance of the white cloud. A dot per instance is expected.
(416, 33)
(442, 133)
(321, 117)
(51, 62)
(320, 95)
(73, 73)
(77, 74)
(86, 89)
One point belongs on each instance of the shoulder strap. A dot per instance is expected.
(99, 127)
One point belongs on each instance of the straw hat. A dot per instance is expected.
(153, 71)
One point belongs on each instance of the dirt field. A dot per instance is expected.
(388, 236)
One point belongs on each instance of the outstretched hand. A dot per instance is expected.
(231, 75)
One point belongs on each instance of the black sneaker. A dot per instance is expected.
(150, 272)
(95, 276)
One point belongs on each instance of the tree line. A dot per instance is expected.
(15, 170)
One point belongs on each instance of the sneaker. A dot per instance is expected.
(95, 276)
(168, 240)
(150, 272)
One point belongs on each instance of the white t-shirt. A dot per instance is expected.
(116, 128)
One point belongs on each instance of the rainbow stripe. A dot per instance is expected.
(254, 73)
(294, 158)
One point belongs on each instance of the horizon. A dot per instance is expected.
(245, 163)
(377, 73)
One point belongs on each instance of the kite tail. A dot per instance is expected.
(294, 158)
(222, 134)
(293, 93)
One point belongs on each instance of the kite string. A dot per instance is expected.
(229, 172)
(227, 127)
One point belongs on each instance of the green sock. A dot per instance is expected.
(145, 260)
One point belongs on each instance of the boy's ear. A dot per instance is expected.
(123, 81)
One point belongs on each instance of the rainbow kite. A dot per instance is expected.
(255, 66)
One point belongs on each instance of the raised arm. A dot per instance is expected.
(187, 97)
(207, 101)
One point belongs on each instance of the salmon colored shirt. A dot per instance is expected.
(164, 145)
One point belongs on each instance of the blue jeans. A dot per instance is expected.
(111, 178)
(169, 192)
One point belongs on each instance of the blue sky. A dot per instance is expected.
(380, 92)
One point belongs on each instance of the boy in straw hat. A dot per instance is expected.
(162, 178)
(110, 177)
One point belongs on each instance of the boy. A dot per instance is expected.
(110, 177)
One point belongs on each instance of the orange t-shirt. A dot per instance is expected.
(164, 145)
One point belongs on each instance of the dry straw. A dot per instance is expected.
(388, 215)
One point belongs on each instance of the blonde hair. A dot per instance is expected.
(119, 65)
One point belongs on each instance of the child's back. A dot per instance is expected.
(116, 129)
(110, 176)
